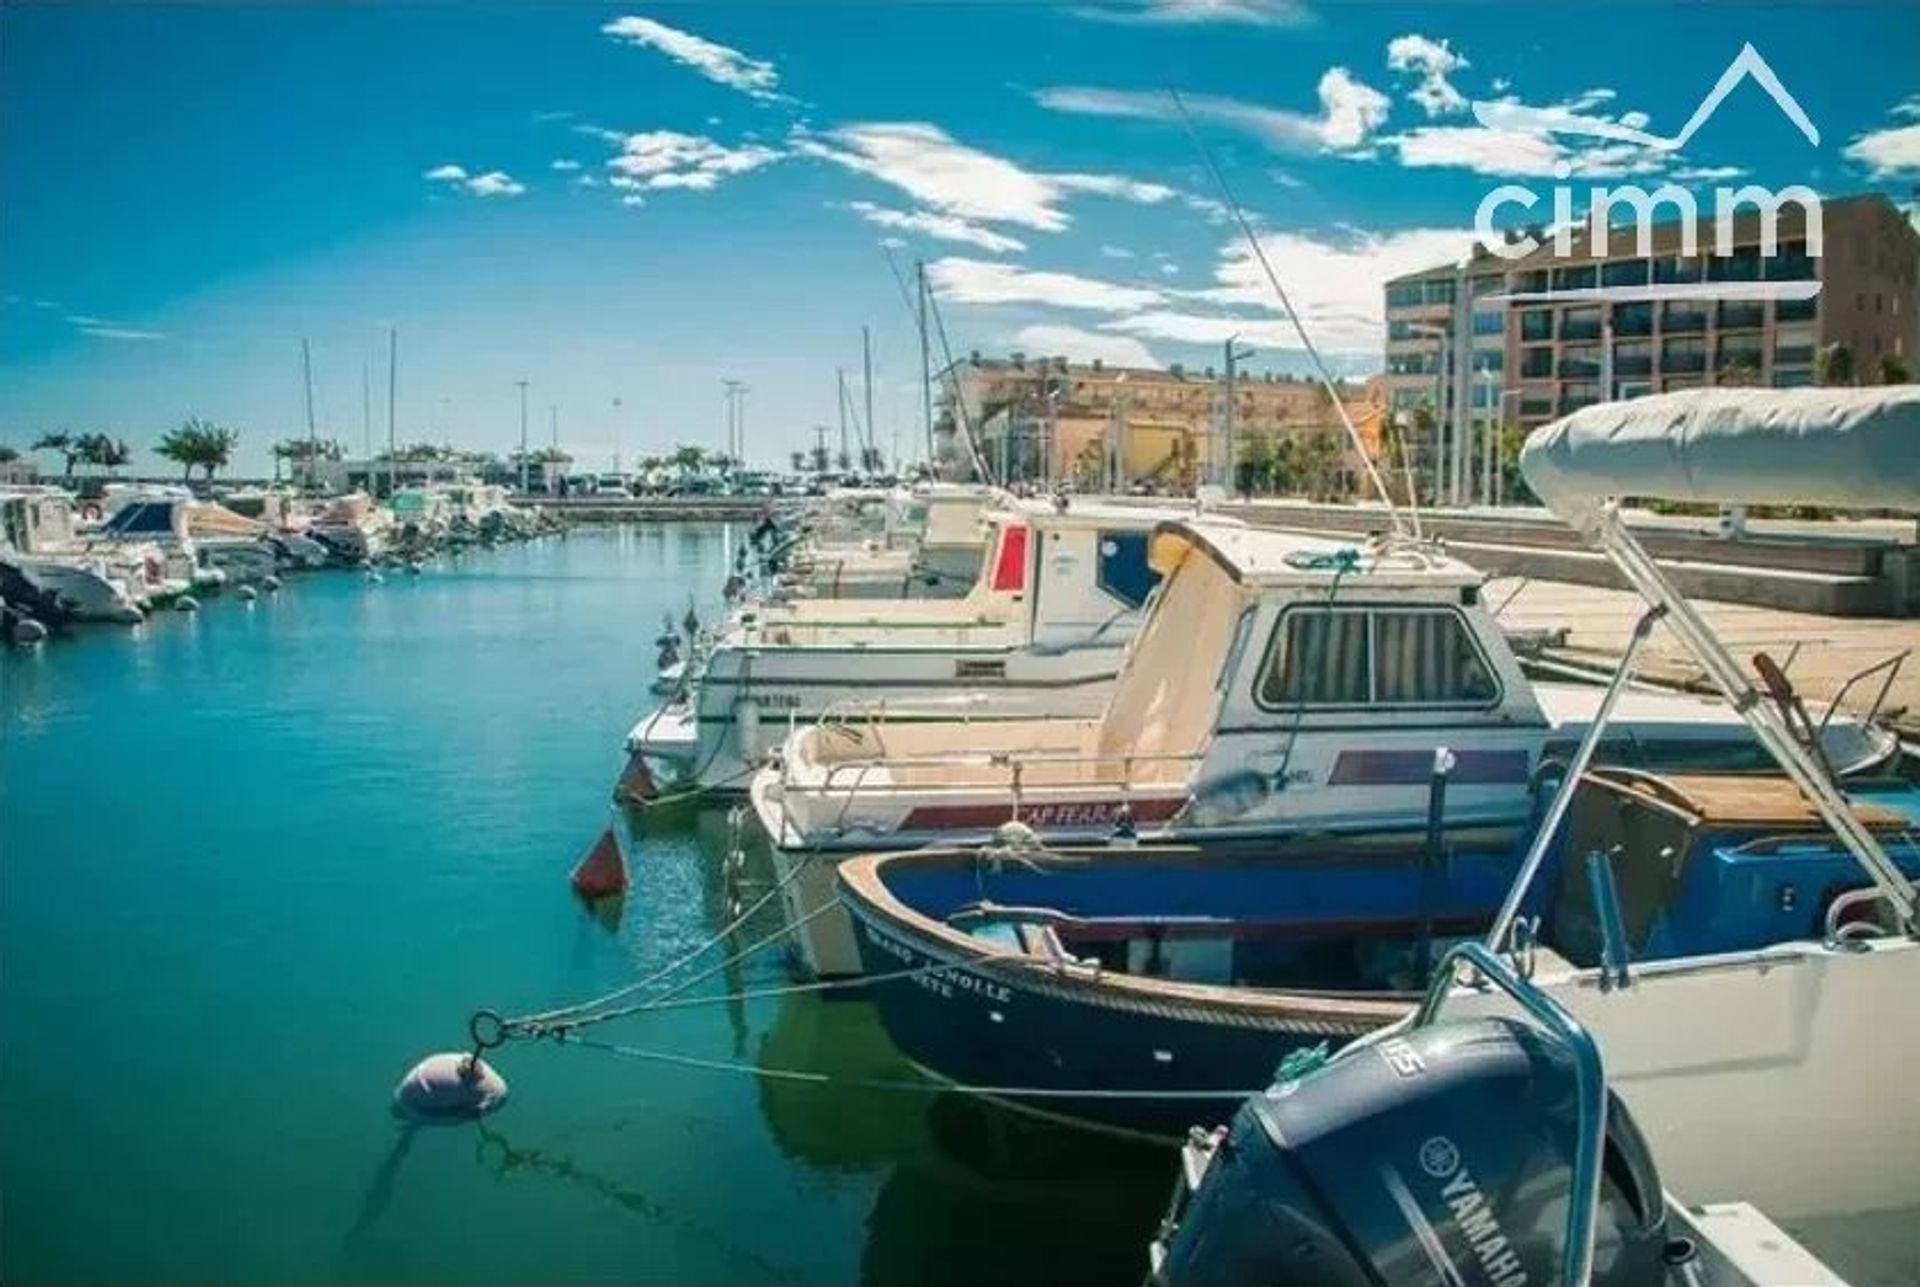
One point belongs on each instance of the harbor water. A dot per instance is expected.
(255, 862)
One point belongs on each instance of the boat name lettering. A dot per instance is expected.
(1402, 1057)
(1098, 814)
(943, 982)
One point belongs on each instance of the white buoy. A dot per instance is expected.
(186, 603)
(27, 631)
(270, 582)
(448, 1087)
(373, 575)
(247, 594)
(413, 566)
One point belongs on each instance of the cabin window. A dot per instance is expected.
(1124, 571)
(1355, 656)
(1321, 659)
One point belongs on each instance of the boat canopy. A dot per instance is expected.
(1839, 448)
(1255, 556)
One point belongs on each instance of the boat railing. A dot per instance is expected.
(1016, 764)
(1890, 666)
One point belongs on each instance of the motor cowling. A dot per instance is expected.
(1442, 1155)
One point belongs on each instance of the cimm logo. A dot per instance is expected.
(1642, 206)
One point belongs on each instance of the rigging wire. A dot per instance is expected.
(1306, 341)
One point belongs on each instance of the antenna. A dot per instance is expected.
(1306, 342)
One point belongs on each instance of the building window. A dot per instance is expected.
(1578, 394)
(1796, 310)
(1575, 277)
(1791, 262)
(1536, 402)
(1633, 319)
(1793, 378)
(1358, 657)
(1580, 361)
(1742, 314)
(1793, 346)
(1489, 359)
(1676, 268)
(1534, 281)
(1683, 355)
(1624, 272)
(1681, 316)
(1536, 363)
(1438, 292)
(1743, 265)
(1633, 357)
(1489, 322)
(1403, 295)
(1580, 324)
(1488, 285)
(1536, 324)
(1739, 352)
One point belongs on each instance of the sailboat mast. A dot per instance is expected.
(871, 435)
(393, 385)
(926, 356)
(313, 440)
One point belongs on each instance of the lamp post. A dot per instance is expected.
(616, 435)
(1235, 356)
(522, 386)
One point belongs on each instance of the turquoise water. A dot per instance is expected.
(256, 862)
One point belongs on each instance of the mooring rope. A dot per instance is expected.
(883, 1083)
(546, 1019)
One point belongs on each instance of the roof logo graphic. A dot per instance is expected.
(1519, 118)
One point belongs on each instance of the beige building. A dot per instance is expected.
(1110, 427)
(1457, 341)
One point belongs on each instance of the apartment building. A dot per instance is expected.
(1035, 418)
(1463, 338)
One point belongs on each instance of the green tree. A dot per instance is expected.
(1317, 456)
(799, 462)
(1513, 485)
(62, 442)
(1893, 370)
(198, 443)
(8, 453)
(688, 459)
(103, 452)
(1253, 471)
(1833, 365)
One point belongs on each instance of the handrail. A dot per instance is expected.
(1590, 1088)
(990, 759)
(1890, 664)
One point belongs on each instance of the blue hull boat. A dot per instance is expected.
(1143, 990)
(1149, 990)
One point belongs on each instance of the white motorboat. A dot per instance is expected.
(353, 528)
(159, 519)
(1282, 689)
(930, 548)
(37, 538)
(1775, 1075)
(1040, 635)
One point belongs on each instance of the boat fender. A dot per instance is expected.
(451, 1086)
(186, 603)
(247, 594)
(746, 719)
(603, 872)
(271, 583)
(27, 632)
(636, 785)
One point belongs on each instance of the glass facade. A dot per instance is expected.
(1536, 363)
(1681, 316)
(1625, 272)
(1579, 361)
(1633, 319)
(1683, 355)
(1536, 324)
(1580, 324)
(1634, 357)
(1742, 314)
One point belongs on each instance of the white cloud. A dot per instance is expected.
(951, 178)
(1116, 252)
(944, 227)
(979, 281)
(495, 183)
(1259, 13)
(110, 331)
(661, 159)
(751, 76)
(1706, 174)
(1336, 284)
(1892, 151)
(633, 199)
(1077, 345)
(1514, 152)
(566, 167)
(1168, 268)
(1349, 112)
(1433, 61)
(1289, 181)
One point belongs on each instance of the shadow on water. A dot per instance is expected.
(998, 1197)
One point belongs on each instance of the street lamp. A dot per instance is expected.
(522, 386)
(1235, 356)
(616, 436)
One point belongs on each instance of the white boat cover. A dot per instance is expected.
(1838, 448)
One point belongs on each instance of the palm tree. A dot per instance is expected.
(687, 459)
(198, 442)
(1834, 365)
(101, 451)
(8, 454)
(64, 443)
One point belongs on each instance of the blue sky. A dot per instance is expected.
(638, 202)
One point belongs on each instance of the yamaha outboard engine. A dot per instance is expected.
(1445, 1154)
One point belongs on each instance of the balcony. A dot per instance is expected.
(1743, 315)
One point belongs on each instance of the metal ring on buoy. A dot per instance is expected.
(483, 1019)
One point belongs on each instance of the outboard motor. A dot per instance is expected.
(1443, 1154)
